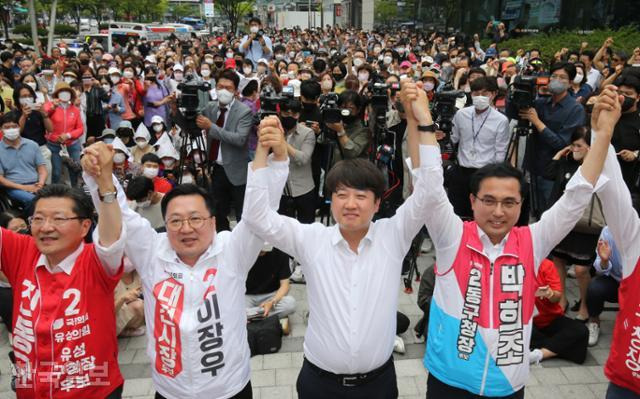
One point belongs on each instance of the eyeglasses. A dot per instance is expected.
(489, 202)
(195, 222)
(38, 221)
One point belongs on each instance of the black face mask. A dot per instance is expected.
(349, 119)
(309, 106)
(288, 122)
(219, 64)
(627, 103)
(338, 76)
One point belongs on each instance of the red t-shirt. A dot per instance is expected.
(547, 275)
(64, 325)
(161, 185)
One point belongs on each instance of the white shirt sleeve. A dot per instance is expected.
(502, 140)
(562, 217)
(445, 227)
(110, 257)
(622, 220)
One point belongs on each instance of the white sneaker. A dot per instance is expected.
(297, 276)
(535, 356)
(398, 345)
(594, 333)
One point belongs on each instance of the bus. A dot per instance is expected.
(195, 23)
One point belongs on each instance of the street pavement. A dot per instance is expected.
(274, 376)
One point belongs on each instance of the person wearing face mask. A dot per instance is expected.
(131, 76)
(145, 201)
(298, 200)
(228, 123)
(141, 139)
(352, 136)
(94, 95)
(554, 119)
(339, 73)
(22, 166)
(67, 130)
(430, 83)
(151, 166)
(156, 97)
(31, 81)
(114, 107)
(626, 139)
(364, 72)
(580, 90)
(123, 168)
(327, 84)
(578, 248)
(482, 136)
(125, 90)
(158, 127)
(256, 45)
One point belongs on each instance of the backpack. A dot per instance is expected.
(264, 335)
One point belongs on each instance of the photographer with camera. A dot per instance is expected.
(227, 143)
(256, 45)
(351, 135)
(482, 135)
(554, 120)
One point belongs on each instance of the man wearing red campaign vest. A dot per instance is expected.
(482, 308)
(63, 310)
(623, 366)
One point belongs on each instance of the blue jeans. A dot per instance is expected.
(23, 197)
(617, 392)
(56, 161)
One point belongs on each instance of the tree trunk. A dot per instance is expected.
(52, 26)
(34, 27)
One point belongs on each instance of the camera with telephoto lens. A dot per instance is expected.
(444, 107)
(269, 100)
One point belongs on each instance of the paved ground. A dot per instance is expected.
(274, 376)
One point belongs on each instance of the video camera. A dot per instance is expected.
(329, 110)
(269, 100)
(379, 94)
(523, 91)
(444, 107)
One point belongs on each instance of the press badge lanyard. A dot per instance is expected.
(473, 130)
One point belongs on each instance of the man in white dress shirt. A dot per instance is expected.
(352, 268)
(482, 135)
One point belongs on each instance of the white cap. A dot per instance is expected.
(427, 58)
(178, 67)
(113, 71)
(150, 58)
(157, 119)
(119, 145)
(142, 132)
(263, 61)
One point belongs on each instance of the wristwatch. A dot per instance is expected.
(108, 197)
(427, 128)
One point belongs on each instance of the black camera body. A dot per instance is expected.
(329, 110)
(190, 102)
(523, 92)
(444, 106)
(269, 100)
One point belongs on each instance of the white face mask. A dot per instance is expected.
(118, 158)
(150, 172)
(229, 55)
(157, 127)
(115, 79)
(291, 74)
(428, 86)
(363, 77)
(292, 54)
(141, 144)
(12, 133)
(387, 60)
(178, 76)
(32, 85)
(224, 96)
(578, 79)
(254, 29)
(187, 179)
(481, 102)
(26, 101)
(247, 71)
(327, 85)
(106, 88)
(64, 96)
(357, 62)
(205, 73)
(127, 74)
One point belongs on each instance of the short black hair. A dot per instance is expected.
(187, 189)
(484, 83)
(500, 170)
(82, 205)
(629, 80)
(477, 70)
(231, 75)
(319, 65)
(568, 67)
(356, 173)
(150, 157)
(351, 97)
(250, 88)
(6, 55)
(255, 19)
(139, 188)
(10, 117)
(589, 54)
(8, 216)
(310, 89)
(582, 132)
(292, 105)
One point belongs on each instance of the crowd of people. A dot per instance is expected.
(173, 189)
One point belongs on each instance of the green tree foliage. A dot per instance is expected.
(234, 10)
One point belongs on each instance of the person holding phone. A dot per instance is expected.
(553, 333)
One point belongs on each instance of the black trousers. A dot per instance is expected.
(116, 394)
(601, 289)
(246, 393)
(6, 307)
(566, 337)
(617, 392)
(302, 208)
(95, 125)
(459, 179)
(437, 389)
(313, 385)
(224, 195)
